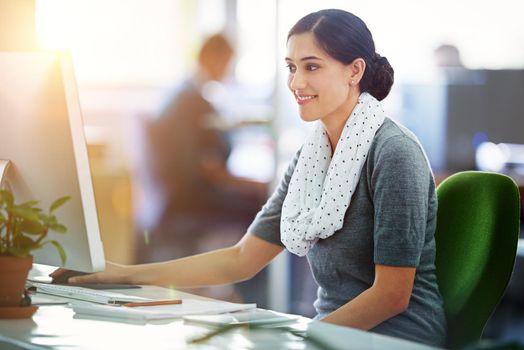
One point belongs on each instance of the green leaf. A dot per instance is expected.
(6, 197)
(44, 219)
(29, 204)
(25, 241)
(18, 251)
(31, 227)
(59, 202)
(59, 228)
(58, 247)
(27, 221)
(49, 220)
(26, 213)
(22, 246)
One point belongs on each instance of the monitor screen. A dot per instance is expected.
(42, 137)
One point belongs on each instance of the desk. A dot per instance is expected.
(56, 328)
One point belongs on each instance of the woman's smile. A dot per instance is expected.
(304, 99)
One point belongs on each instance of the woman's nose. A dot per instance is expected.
(297, 81)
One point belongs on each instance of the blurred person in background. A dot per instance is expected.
(448, 61)
(190, 153)
(447, 55)
(200, 204)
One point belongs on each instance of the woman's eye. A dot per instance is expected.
(311, 67)
(291, 68)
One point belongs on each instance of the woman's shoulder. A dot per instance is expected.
(394, 140)
(393, 131)
(394, 135)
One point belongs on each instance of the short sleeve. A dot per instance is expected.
(400, 182)
(267, 222)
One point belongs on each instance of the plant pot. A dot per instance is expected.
(13, 275)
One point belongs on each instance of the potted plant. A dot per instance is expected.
(23, 228)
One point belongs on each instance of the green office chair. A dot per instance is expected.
(476, 237)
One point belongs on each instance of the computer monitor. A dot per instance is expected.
(42, 137)
(454, 116)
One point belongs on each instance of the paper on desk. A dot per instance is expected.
(253, 316)
(161, 312)
(43, 299)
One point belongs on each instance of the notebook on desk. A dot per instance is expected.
(152, 313)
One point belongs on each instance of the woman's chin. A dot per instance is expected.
(308, 117)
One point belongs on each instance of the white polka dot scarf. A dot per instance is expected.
(321, 188)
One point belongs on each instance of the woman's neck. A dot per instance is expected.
(334, 122)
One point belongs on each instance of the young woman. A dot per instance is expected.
(358, 199)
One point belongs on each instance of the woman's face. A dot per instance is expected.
(319, 83)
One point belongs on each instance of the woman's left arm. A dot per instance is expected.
(388, 296)
(400, 181)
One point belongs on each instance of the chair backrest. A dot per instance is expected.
(476, 237)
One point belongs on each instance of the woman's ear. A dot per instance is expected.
(356, 71)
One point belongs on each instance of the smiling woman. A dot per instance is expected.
(358, 199)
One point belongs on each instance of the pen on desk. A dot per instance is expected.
(222, 329)
(154, 303)
(228, 327)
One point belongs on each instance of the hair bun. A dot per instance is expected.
(379, 60)
(383, 77)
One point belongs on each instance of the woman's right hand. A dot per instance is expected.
(114, 273)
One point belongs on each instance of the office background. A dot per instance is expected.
(130, 55)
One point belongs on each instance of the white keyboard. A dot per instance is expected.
(85, 294)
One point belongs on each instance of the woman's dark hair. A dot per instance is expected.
(346, 37)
